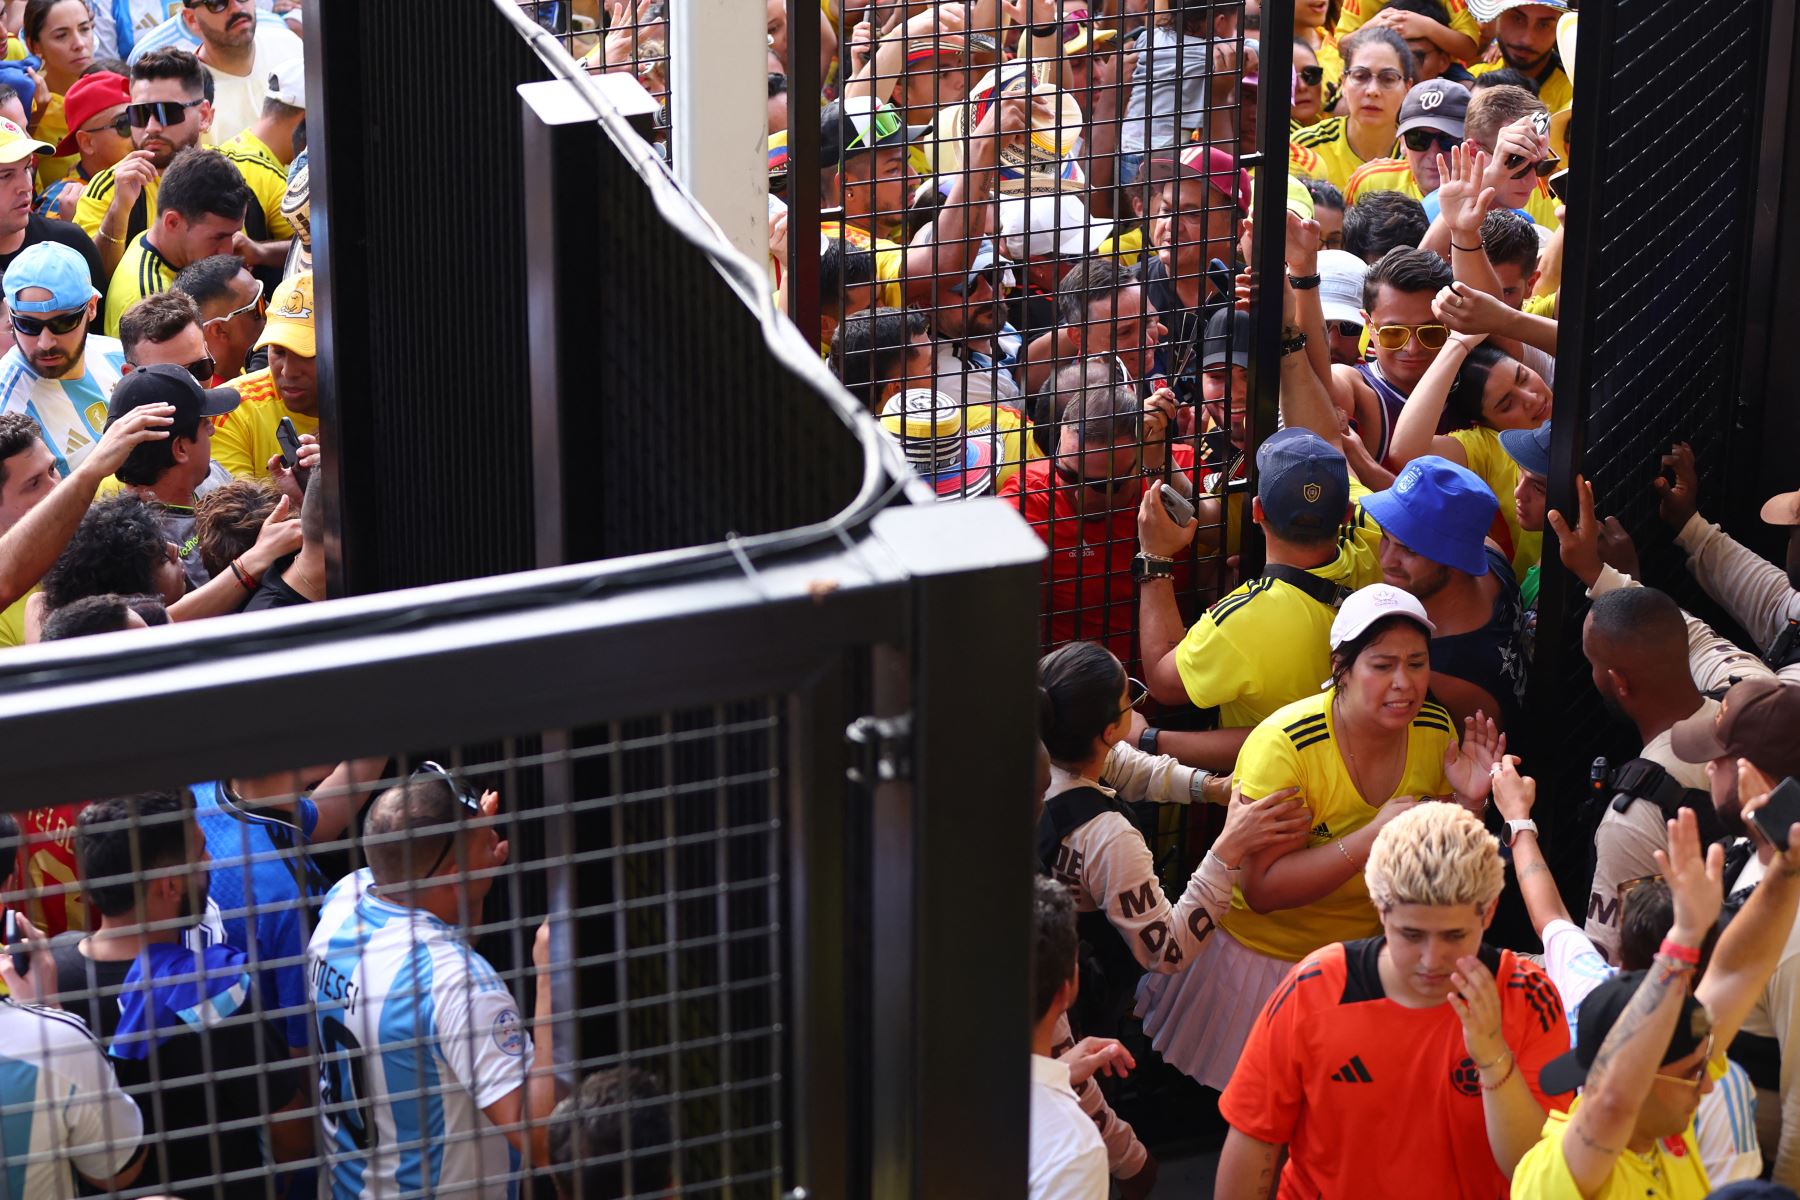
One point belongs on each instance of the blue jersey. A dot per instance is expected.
(417, 1035)
(265, 885)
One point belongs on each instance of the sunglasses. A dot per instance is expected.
(1109, 485)
(1558, 186)
(1136, 692)
(259, 304)
(1397, 337)
(67, 322)
(1421, 140)
(166, 112)
(1347, 329)
(1544, 168)
(873, 129)
(1694, 1074)
(120, 125)
(215, 7)
(1312, 76)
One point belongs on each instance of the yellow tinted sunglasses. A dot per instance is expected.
(1396, 337)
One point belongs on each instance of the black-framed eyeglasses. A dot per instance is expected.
(1421, 140)
(259, 304)
(166, 112)
(201, 369)
(1108, 484)
(120, 125)
(1544, 167)
(62, 323)
(1311, 76)
(1136, 692)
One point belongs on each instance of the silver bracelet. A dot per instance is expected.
(1197, 785)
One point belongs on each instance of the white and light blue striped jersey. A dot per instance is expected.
(417, 1035)
(174, 32)
(70, 413)
(59, 1104)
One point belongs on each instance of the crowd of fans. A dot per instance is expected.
(1033, 265)
(1034, 268)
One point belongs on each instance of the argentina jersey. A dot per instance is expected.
(263, 882)
(417, 1035)
(70, 413)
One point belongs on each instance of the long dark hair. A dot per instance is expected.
(1463, 404)
(1078, 698)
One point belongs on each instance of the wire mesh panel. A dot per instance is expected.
(414, 954)
(1653, 306)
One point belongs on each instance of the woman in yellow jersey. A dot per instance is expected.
(1378, 68)
(1364, 750)
(1315, 26)
(1309, 87)
(61, 32)
(1484, 391)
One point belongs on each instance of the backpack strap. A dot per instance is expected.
(1641, 779)
(1330, 594)
(1066, 812)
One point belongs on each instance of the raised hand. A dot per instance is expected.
(1472, 313)
(1617, 550)
(1580, 546)
(1470, 764)
(1159, 418)
(1157, 531)
(1514, 794)
(1475, 998)
(1302, 244)
(1678, 498)
(146, 423)
(1696, 882)
(1096, 1056)
(1465, 195)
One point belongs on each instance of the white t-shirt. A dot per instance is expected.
(70, 412)
(62, 1104)
(238, 99)
(403, 1005)
(1068, 1160)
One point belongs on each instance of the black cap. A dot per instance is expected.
(838, 128)
(166, 383)
(1227, 339)
(1599, 1011)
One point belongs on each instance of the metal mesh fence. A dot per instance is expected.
(417, 974)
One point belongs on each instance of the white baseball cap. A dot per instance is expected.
(1341, 285)
(287, 83)
(1049, 226)
(1366, 606)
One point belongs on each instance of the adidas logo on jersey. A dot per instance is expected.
(1353, 1072)
(1321, 830)
(76, 441)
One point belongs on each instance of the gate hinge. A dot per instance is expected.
(881, 749)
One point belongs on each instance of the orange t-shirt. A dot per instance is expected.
(1373, 1098)
(54, 902)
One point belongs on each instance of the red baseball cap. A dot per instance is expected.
(90, 96)
(1215, 166)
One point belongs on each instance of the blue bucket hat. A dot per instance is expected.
(1439, 510)
(1530, 448)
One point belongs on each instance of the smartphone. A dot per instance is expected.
(1178, 506)
(1780, 814)
(289, 439)
(21, 958)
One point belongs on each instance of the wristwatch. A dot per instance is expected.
(1152, 566)
(1515, 828)
(1147, 739)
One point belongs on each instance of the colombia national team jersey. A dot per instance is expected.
(1298, 747)
(1373, 1098)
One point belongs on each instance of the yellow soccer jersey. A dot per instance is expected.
(1542, 306)
(1554, 89)
(1297, 747)
(1331, 142)
(244, 438)
(1382, 175)
(267, 180)
(890, 258)
(53, 127)
(141, 272)
(12, 621)
(1355, 12)
(1489, 459)
(91, 209)
(1268, 644)
(1127, 247)
(1003, 429)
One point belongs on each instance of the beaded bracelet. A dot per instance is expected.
(1510, 1068)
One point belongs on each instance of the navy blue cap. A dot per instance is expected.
(1439, 510)
(1303, 483)
(1227, 339)
(1530, 448)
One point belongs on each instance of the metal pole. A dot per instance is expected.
(718, 103)
(804, 207)
(1269, 242)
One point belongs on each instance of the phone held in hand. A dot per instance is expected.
(1780, 813)
(21, 958)
(1178, 506)
(289, 439)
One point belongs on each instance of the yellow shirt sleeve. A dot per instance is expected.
(1268, 761)
(268, 186)
(888, 265)
(1356, 12)
(1213, 669)
(90, 210)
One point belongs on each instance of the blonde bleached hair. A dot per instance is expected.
(1437, 854)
